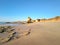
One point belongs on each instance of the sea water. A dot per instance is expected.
(2, 23)
(7, 24)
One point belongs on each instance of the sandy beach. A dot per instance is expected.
(41, 33)
(29, 22)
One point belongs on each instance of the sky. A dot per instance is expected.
(19, 10)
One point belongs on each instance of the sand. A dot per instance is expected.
(41, 33)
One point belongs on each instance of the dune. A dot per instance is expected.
(41, 33)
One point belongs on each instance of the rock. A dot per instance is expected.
(29, 20)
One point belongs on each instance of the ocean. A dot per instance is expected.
(2, 23)
(6, 24)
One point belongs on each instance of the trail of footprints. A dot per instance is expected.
(8, 33)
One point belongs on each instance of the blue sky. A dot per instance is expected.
(15, 10)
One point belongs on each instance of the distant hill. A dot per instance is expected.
(55, 19)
